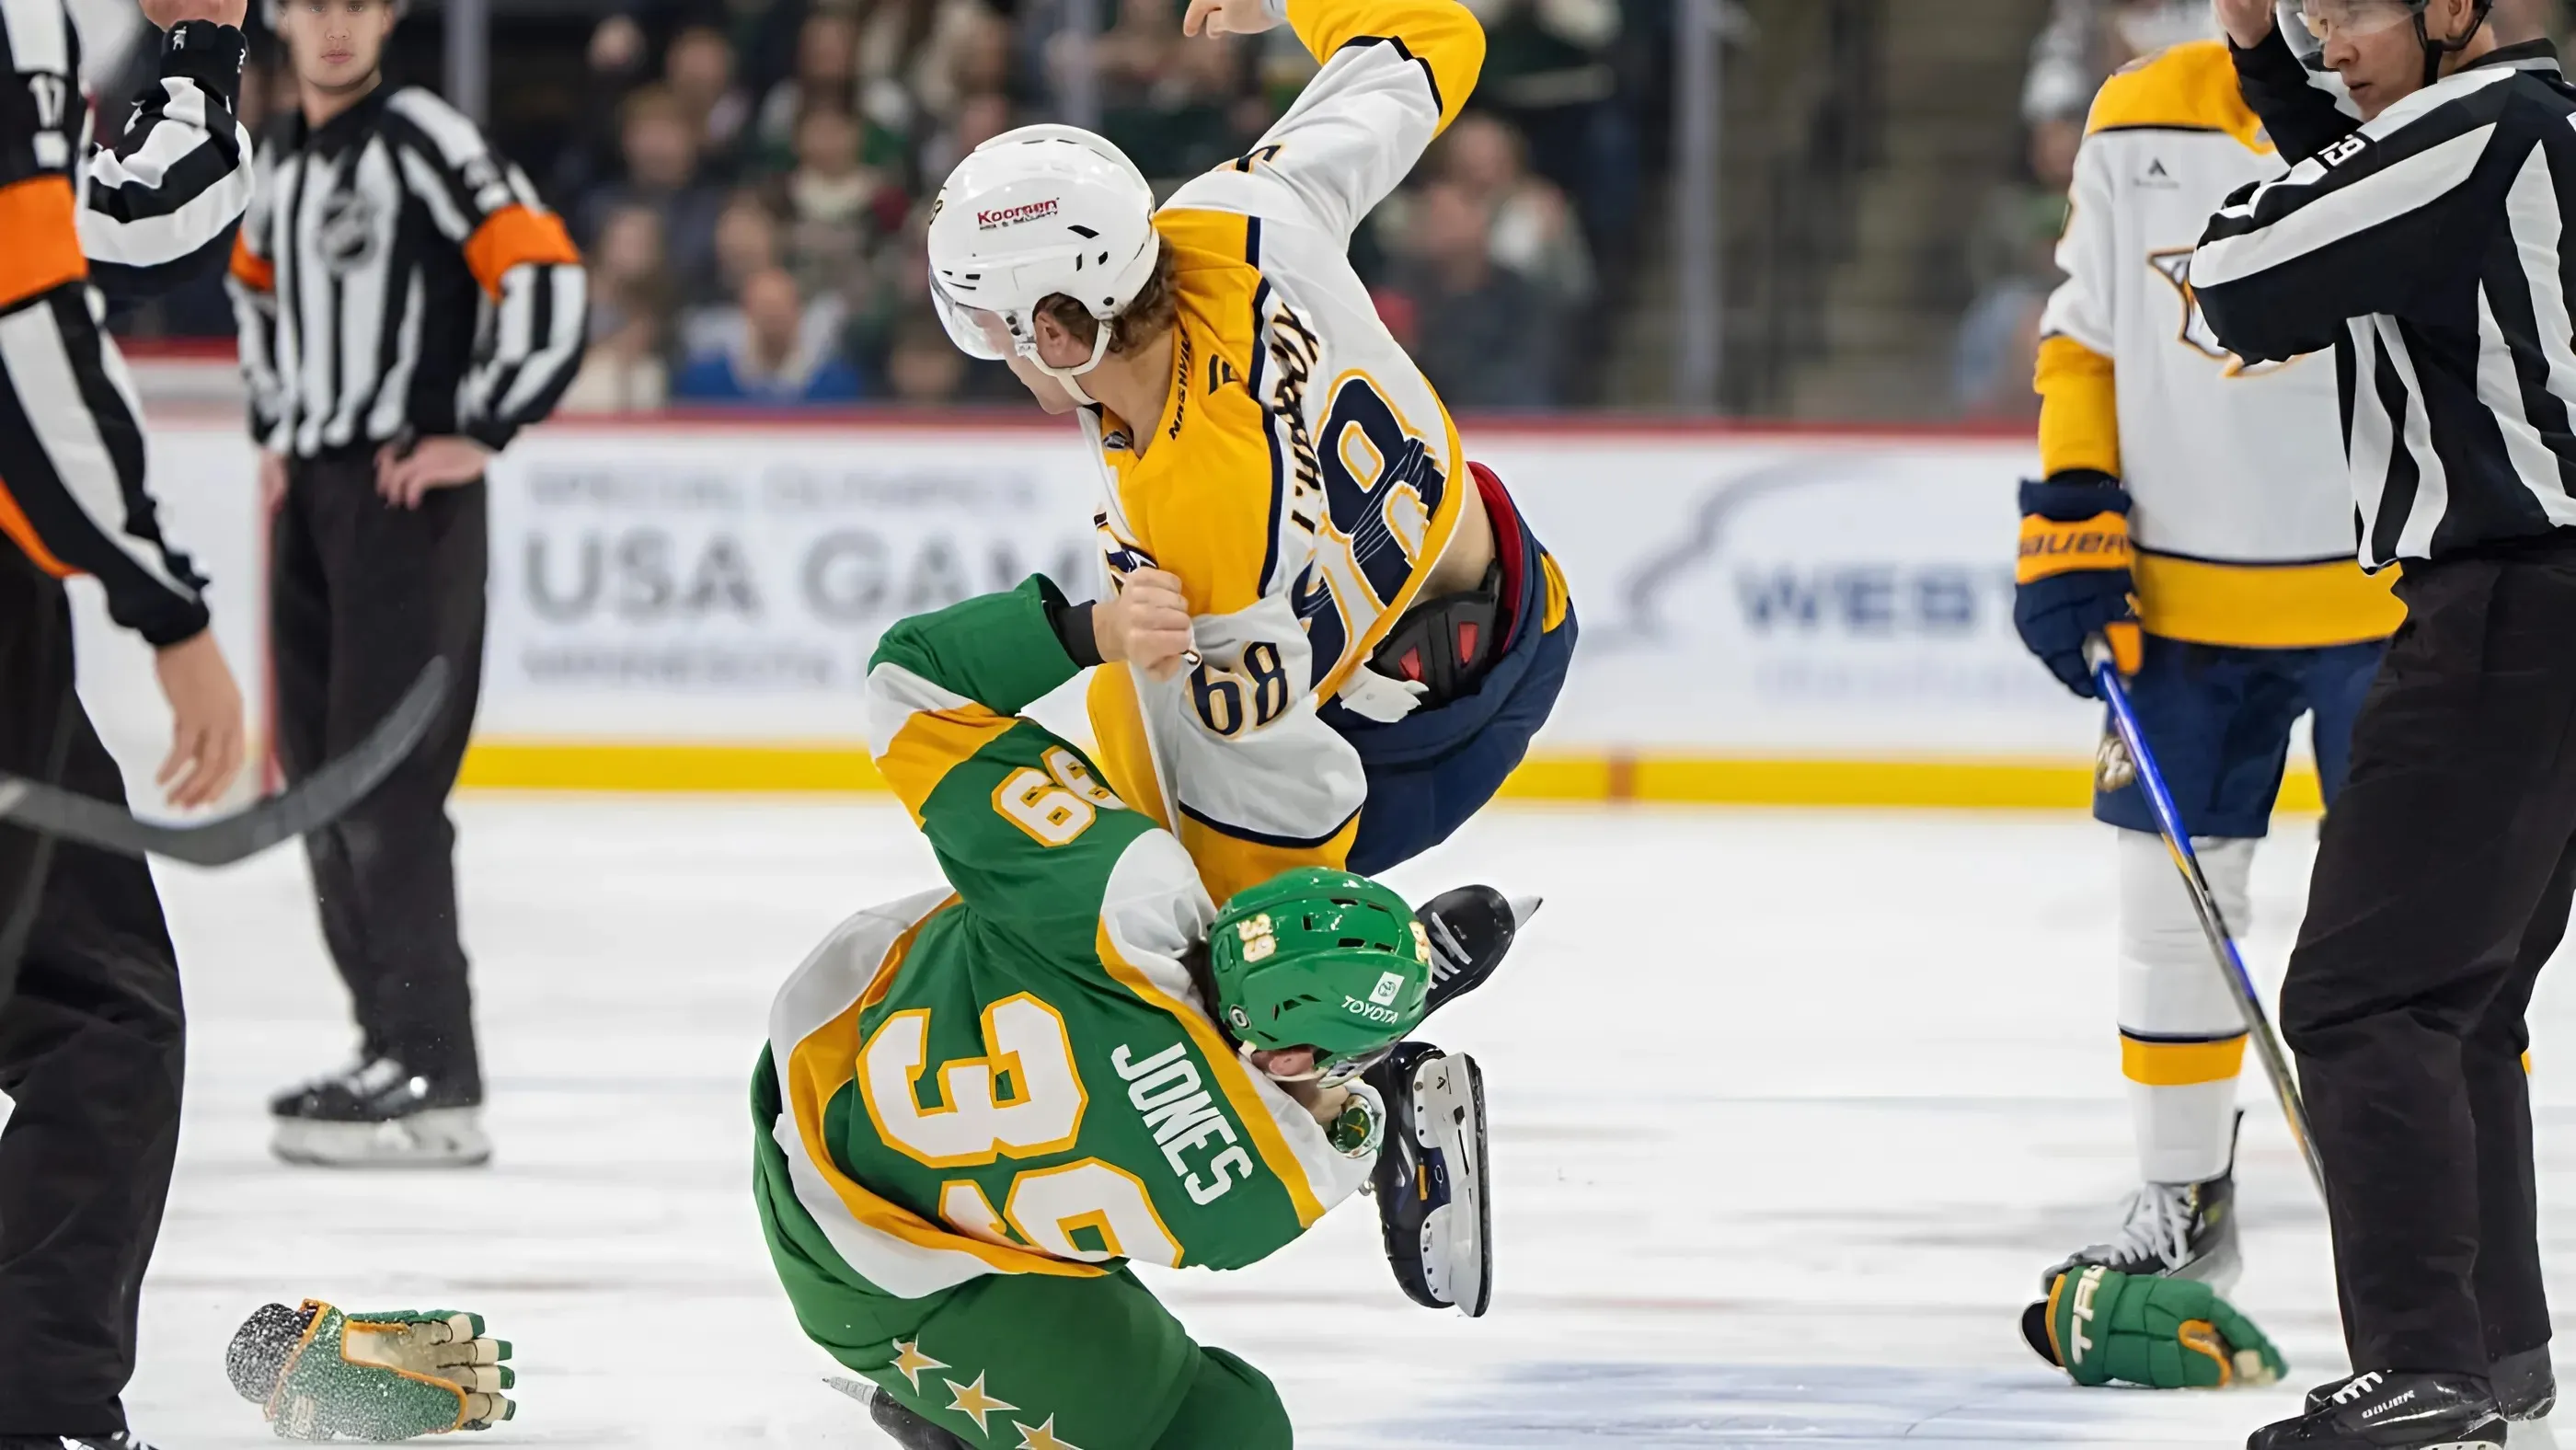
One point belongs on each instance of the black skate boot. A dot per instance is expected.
(2174, 1231)
(2393, 1410)
(1471, 931)
(120, 1440)
(2525, 1386)
(380, 1114)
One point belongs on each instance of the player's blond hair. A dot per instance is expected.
(1148, 315)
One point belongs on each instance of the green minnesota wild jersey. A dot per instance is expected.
(1016, 1075)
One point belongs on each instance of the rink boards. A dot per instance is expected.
(1780, 616)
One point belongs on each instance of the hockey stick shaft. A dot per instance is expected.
(2204, 902)
(314, 802)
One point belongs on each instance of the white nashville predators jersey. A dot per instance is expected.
(2242, 515)
(1304, 477)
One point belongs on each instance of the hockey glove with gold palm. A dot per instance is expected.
(321, 1373)
(2072, 581)
(2167, 1334)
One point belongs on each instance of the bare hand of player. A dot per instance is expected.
(206, 721)
(404, 479)
(170, 14)
(1147, 623)
(272, 480)
(1227, 17)
(2246, 22)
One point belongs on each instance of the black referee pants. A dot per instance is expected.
(92, 1051)
(2442, 884)
(363, 595)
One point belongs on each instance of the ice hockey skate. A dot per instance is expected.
(2384, 1410)
(378, 1114)
(1431, 1178)
(2526, 1387)
(2173, 1230)
(1472, 929)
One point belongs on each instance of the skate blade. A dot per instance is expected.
(437, 1138)
(1449, 1123)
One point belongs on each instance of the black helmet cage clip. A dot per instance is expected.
(2434, 50)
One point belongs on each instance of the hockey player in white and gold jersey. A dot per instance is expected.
(2194, 512)
(1378, 632)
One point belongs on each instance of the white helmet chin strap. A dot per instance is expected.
(1071, 376)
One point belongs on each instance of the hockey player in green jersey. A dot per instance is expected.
(977, 1103)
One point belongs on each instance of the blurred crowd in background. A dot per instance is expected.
(750, 185)
(2012, 256)
(750, 181)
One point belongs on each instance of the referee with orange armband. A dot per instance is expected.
(406, 304)
(92, 1031)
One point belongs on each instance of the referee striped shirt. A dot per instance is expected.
(2427, 247)
(79, 225)
(395, 277)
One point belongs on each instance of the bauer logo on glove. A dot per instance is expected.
(2073, 581)
(320, 1373)
(2167, 1334)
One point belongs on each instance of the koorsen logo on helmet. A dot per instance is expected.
(1011, 216)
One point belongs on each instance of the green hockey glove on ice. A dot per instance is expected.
(320, 1373)
(2166, 1334)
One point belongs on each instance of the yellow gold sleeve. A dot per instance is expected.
(2079, 411)
(1440, 35)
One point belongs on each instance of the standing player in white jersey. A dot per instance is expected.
(2193, 511)
(1378, 631)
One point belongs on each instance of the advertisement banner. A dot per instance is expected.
(1796, 596)
(730, 586)
(1743, 595)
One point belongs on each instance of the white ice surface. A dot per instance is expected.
(1791, 1109)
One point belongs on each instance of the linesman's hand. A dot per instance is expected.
(1227, 17)
(1146, 623)
(403, 479)
(206, 721)
(2246, 22)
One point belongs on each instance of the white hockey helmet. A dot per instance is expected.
(1031, 213)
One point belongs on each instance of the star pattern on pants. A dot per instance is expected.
(909, 1361)
(1041, 1437)
(971, 1400)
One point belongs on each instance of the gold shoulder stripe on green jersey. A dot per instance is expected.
(930, 744)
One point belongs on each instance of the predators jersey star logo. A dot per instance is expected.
(971, 1400)
(909, 1361)
(2174, 265)
(1041, 1437)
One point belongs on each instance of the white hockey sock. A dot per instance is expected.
(2182, 1039)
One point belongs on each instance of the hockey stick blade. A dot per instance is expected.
(2204, 903)
(315, 802)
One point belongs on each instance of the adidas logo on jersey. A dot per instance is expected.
(1220, 373)
(2157, 176)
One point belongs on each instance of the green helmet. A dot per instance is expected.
(1323, 959)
